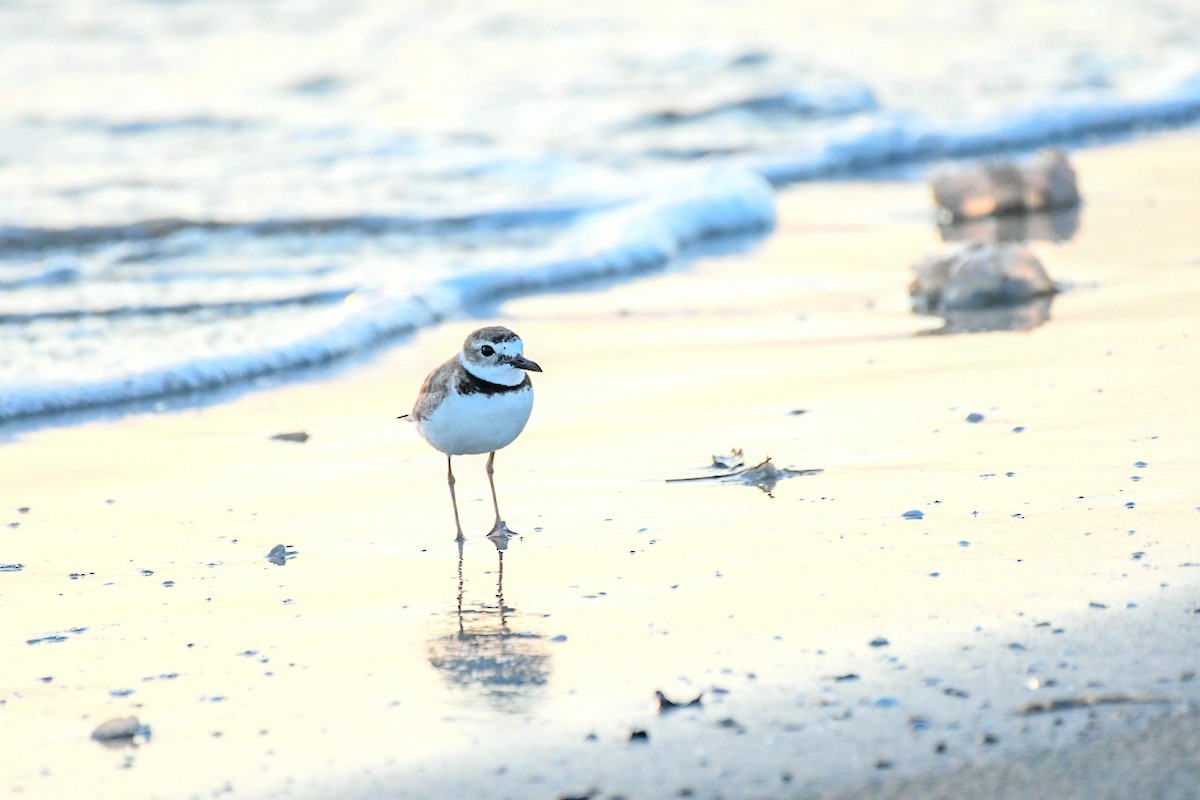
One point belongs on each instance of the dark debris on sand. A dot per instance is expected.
(280, 555)
(121, 732)
(765, 475)
(665, 704)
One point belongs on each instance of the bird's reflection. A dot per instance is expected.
(1013, 317)
(1059, 225)
(486, 654)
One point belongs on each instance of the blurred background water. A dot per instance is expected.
(198, 193)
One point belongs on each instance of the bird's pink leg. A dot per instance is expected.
(453, 499)
(499, 529)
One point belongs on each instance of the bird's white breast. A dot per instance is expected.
(469, 424)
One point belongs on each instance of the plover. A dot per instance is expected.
(477, 402)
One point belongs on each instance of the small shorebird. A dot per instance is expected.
(475, 403)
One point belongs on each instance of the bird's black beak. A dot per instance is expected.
(521, 362)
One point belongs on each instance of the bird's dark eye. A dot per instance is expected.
(487, 350)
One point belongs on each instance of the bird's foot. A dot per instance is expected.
(500, 534)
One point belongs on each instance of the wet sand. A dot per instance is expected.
(1036, 622)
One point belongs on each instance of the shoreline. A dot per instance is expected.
(369, 662)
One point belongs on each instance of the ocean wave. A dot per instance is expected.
(228, 307)
(133, 127)
(642, 236)
(831, 102)
(38, 276)
(893, 139)
(27, 239)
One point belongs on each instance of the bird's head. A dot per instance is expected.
(496, 354)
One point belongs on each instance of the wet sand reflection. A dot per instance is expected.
(488, 655)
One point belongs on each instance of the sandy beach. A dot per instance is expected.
(1033, 632)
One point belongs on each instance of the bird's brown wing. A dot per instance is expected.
(434, 390)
